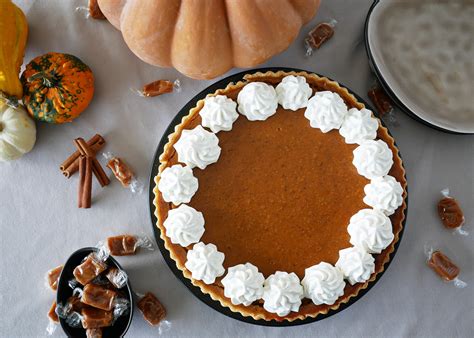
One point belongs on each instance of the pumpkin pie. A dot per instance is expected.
(280, 196)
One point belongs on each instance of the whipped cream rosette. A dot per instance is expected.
(323, 283)
(359, 126)
(219, 113)
(184, 225)
(293, 92)
(178, 184)
(384, 193)
(326, 111)
(243, 284)
(198, 147)
(257, 101)
(282, 293)
(373, 159)
(356, 264)
(205, 262)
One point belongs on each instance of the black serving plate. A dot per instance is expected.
(120, 327)
(205, 298)
(378, 73)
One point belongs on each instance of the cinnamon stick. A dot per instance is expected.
(86, 151)
(85, 182)
(71, 164)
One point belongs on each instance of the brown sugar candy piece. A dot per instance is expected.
(53, 277)
(76, 303)
(94, 333)
(443, 266)
(450, 213)
(158, 87)
(122, 245)
(93, 318)
(121, 171)
(94, 10)
(381, 101)
(89, 269)
(319, 35)
(52, 313)
(98, 297)
(153, 311)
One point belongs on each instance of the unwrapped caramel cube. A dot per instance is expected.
(153, 311)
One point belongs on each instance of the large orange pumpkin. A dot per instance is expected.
(205, 38)
(57, 87)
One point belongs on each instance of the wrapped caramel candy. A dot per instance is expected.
(94, 333)
(153, 311)
(52, 315)
(52, 277)
(92, 266)
(93, 318)
(123, 173)
(158, 87)
(96, 296)
(125, 245)
(443, 266)
(319, 35)
(450, 213)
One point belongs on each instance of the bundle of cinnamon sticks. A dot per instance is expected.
(84, 160)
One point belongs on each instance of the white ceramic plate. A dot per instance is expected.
(423, 53)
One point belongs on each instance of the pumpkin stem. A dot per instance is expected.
(47, 79)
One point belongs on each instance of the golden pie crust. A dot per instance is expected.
(300, 258)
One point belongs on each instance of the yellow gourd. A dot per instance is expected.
(13, 35)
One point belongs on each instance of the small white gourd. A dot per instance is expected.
(17, 132)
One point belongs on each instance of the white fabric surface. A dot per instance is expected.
(41, 225)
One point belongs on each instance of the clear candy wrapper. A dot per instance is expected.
(124, 245)
(73, 283)
(443, 266)
(123, 173)
(383, 104)
(53, 320)
(118, 278)
(319, 35)
(121, 307)
(451, 214)
(158, 87)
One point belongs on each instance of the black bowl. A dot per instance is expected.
(122, 324)
(205, 298)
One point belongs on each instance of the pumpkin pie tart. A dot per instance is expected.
(280, 196)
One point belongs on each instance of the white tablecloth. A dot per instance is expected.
(41, 224)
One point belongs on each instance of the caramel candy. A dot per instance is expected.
(76, 303)
(94, 333)
(381, 101)
(94, 10)
(450, 213)
(151, 308)
(89, 269)
(157, 88)
(53, 277)
(98, 296)
(443, 266)
(122, 245)
(121, 171)
(117, 277)
(52, 313)
(93, 318)
(319, 35)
